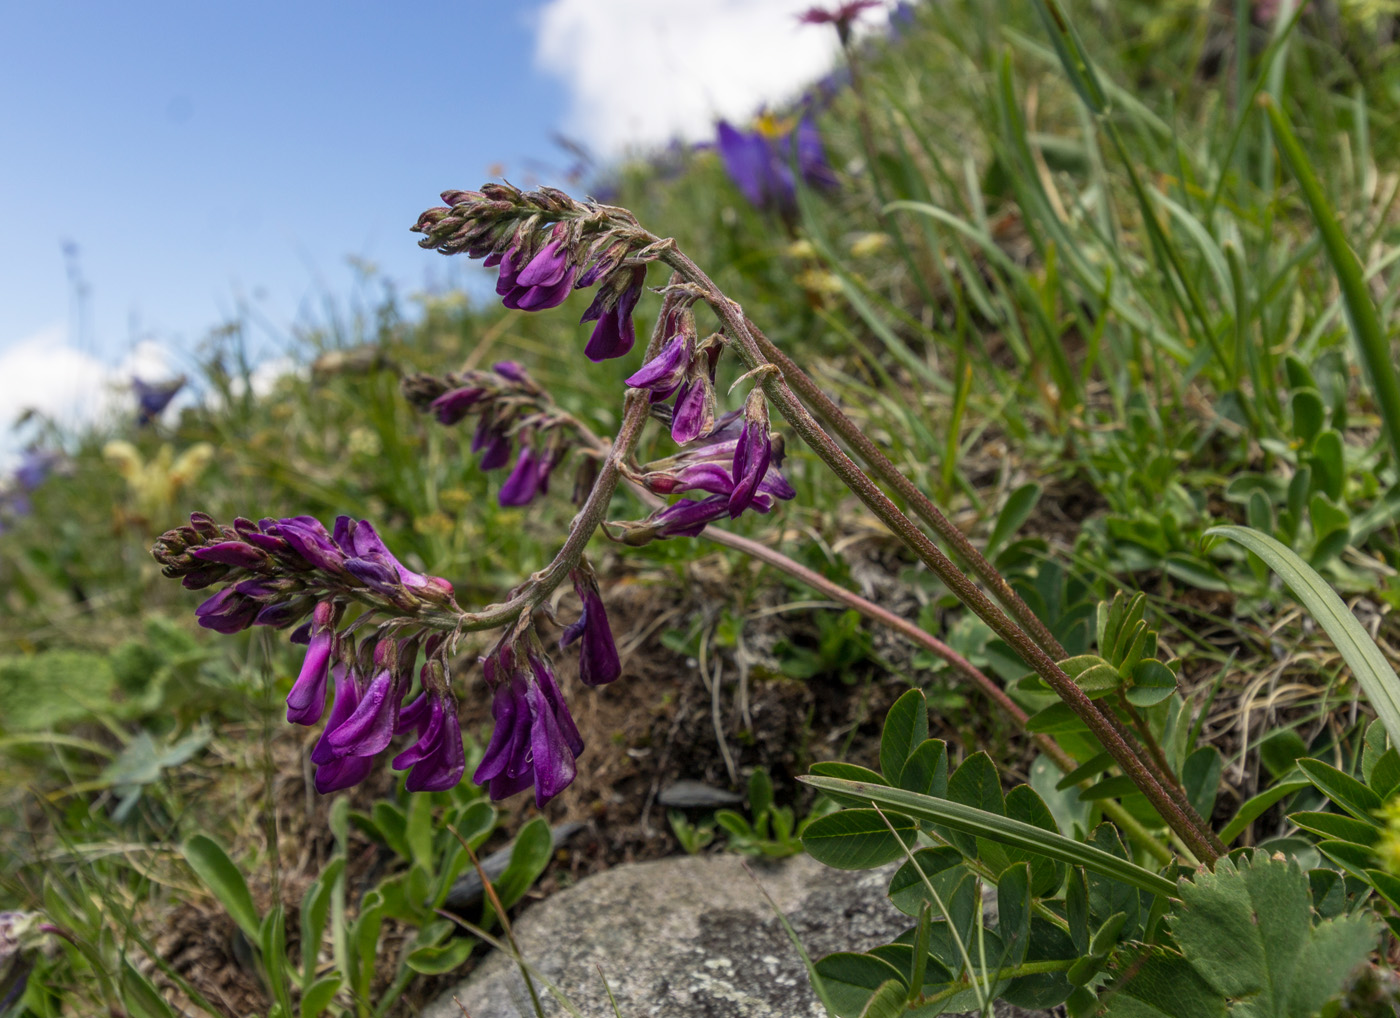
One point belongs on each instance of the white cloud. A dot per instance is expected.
(43, 373)
(641, 72)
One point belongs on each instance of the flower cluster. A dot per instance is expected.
(546, 245)
(535, 741)
(737, 465)
(34, 468)
(761, 161)
(282, 572)
(509, 407)
(684, 368)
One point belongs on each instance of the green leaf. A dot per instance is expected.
(849, 771)
(1247, 930)
(1309, 414)
(760, 792)
(857, 839)
(1200, 776)
(533, 847)
(1003, 830)
(315, 909)
(1256, 805)
(1334, 825)
(434, 961)
(1385, 776)
(1153, 682)
(1057, 719)
(1024, 803)
(1163, 985)
(1018, 508)
(213, 866)
(906, 725)
(887, 1001)
(1280, 750)
(1014, 912)
(319, 996)
(1360, 652)
(1342, 789)
(926, 771)
(142, 998)
(907, 890)
(851, 980)
(272, 941)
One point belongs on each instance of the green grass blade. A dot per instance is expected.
(996, 828)
(1371, 341)
(1360, 652)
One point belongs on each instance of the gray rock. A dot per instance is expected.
(686, 937)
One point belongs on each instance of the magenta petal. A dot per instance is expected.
(347, 698)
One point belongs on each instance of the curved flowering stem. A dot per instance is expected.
(1178, 813)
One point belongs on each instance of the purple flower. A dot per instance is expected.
(752, 454)
(308, 538)
(362, 541)
(665, 372)
(842, 16)
(307, 699)
(492, 442)
(714, 478)
(34, 468)
(437, 758)
(544, 282)
(368, 729)
(694, 413)
(811, 156)
(153, 397)
(755, 168)
(455, 404)
(529, 744)
(336, 771)
(598, 663)
(614, 335)
(688, 517)
(227, 612)
(524, 481)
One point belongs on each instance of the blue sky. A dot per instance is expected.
(201, 153)
(196, 157)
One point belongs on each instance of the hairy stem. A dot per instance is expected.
(825, 408)
(1104, 726)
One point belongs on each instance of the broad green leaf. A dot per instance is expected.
(1108, 895)
(851, 979)
(315, 909)
(1387, 884)
(1385, 776)
(1018, 508)
(1163, 985)
(907, 889)
(433, 961)
(849, 771)
(926, 770)
(319, 996)
(906, 725)
(1246, 928)
(142, 998)
(856, 839)
(1257, 805)
(533, 847)
(1200, 776)
(1057, 719)
(1014, 912)
(976, 783)
(1280, 750)
(1153, 682)
(1334, 825)
(272, 941)
(1024, 803)
(1342, 789)
(887, 1001)
(1360, 652)
(1003, 830)
(1308, 415)
(213, 866)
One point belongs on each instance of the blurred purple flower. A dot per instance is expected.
(153, 397)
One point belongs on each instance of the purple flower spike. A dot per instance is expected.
(752, 454)
(534, 740)
(524, 481)
(452, 406)
(227, 612)
(598, 663)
